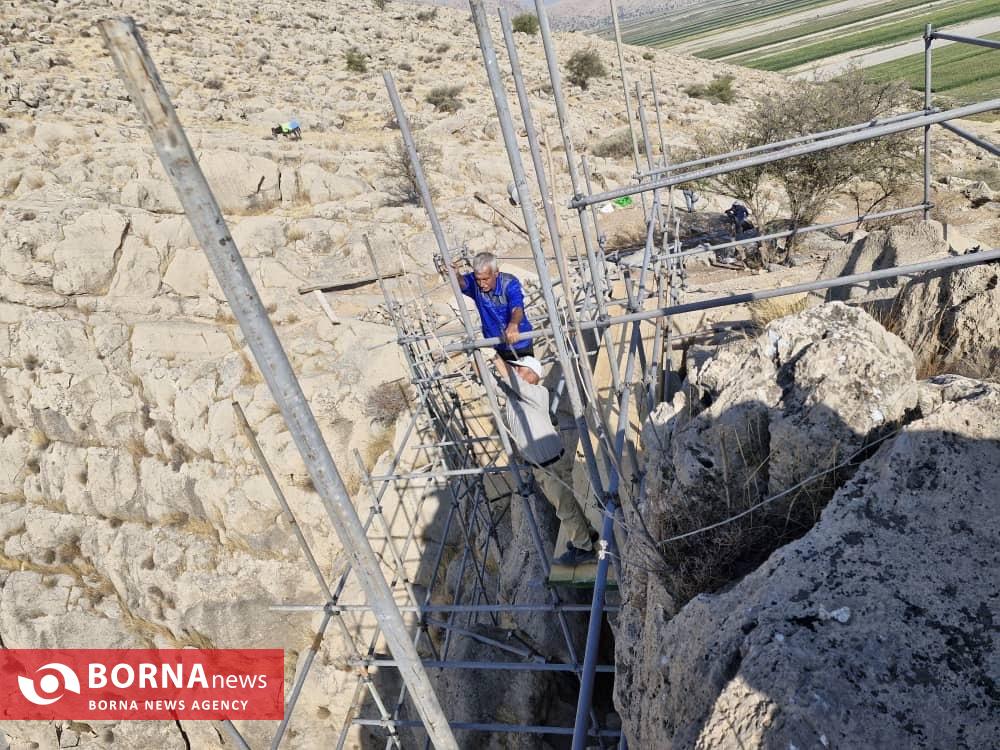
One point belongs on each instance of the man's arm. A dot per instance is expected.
(462, 278)
(512, 333)
(515, 304)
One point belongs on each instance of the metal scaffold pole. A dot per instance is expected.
(137, 70)
(928, 40)
(597, 276)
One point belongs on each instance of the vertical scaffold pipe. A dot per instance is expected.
(559, 339)
(550, 215)
(928, 41)
(574, 178)
(628, 104)
(136, 68)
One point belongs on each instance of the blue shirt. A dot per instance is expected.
(495, 308)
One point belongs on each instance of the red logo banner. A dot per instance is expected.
(189, 684)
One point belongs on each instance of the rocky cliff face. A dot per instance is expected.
(876, 627)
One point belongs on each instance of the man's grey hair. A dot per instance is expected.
(482, 261)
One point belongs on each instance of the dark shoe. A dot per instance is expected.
(574, 556)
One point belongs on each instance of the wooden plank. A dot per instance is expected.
(579, 577)
(347, 283)
(321, 298)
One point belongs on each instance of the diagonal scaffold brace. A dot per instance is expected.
(136, 68)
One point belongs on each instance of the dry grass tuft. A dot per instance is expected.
(386, 402)
(763, 311)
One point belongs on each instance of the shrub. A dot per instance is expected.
(442, 48)
(719, 90)
(357, 61)
(214, 83)
(583, 65)
(397, 162)
(526, 23)
(427, 15)
(445, 98)
(380, 4)
(618, 145)
(648, 56)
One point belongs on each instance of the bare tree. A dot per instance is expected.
(870, 172)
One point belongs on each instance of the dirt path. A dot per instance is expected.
(865, 58)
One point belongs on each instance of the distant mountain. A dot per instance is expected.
(594, 14)
(578, 14)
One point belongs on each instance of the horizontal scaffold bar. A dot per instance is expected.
(966, 39)
(969, 259)
(439, 608)
(867, 133)
(478, 726)
(503, 666)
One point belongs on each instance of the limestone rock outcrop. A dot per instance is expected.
(949, 319)
(883, 248)
(875, 629)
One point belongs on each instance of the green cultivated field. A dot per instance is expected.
(813, 27)
(882, 35)
(683, 25)
(961, 72)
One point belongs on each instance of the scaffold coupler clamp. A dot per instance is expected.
(602, 548)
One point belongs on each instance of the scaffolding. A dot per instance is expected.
(455, 452)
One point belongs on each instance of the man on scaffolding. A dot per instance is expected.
(550, 452)
(500, 302)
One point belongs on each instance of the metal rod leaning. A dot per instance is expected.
(819, 145)
(992, 44)
(313, 566)
(972, 138)
(150, 97)
(928, 87)
(787, 142)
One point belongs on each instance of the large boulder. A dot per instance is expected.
(743, 461)
(761, 417)
(951, 320)
(875, 629)
(883, 248)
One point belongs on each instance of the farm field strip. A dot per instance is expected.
(798, 31)
(963, 72)
(885, 34)
(675, 27)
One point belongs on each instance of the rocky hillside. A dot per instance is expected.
(132, 512)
